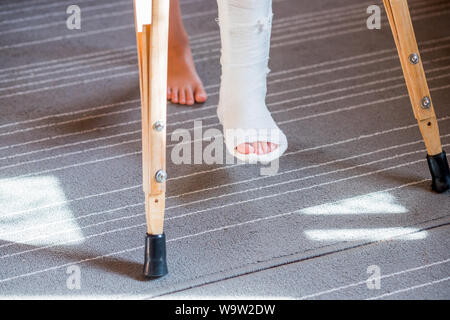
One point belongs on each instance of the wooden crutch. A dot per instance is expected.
(405, 40)
(152, 30)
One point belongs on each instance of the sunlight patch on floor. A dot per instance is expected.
(374, 203)
(368, 234)
(21, 225)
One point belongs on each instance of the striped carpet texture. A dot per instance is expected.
(352, 193)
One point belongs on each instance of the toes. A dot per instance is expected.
(174, 95)
(200, 94)
(189, 96)
(255, 147)
(245, 148)
(272, 146)
(182, 96)
(263, 147)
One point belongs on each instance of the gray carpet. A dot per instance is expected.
(352, 191)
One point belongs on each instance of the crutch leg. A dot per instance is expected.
(152, 27)
(402, 29)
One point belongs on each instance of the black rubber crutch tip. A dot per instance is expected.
(440, 172)
(155, 264)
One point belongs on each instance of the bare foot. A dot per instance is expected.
(256, 147)
(183, 84)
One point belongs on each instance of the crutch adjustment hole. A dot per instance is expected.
(429, 124)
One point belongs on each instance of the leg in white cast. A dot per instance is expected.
(250, 132)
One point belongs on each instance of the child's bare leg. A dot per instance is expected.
(183, 85)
